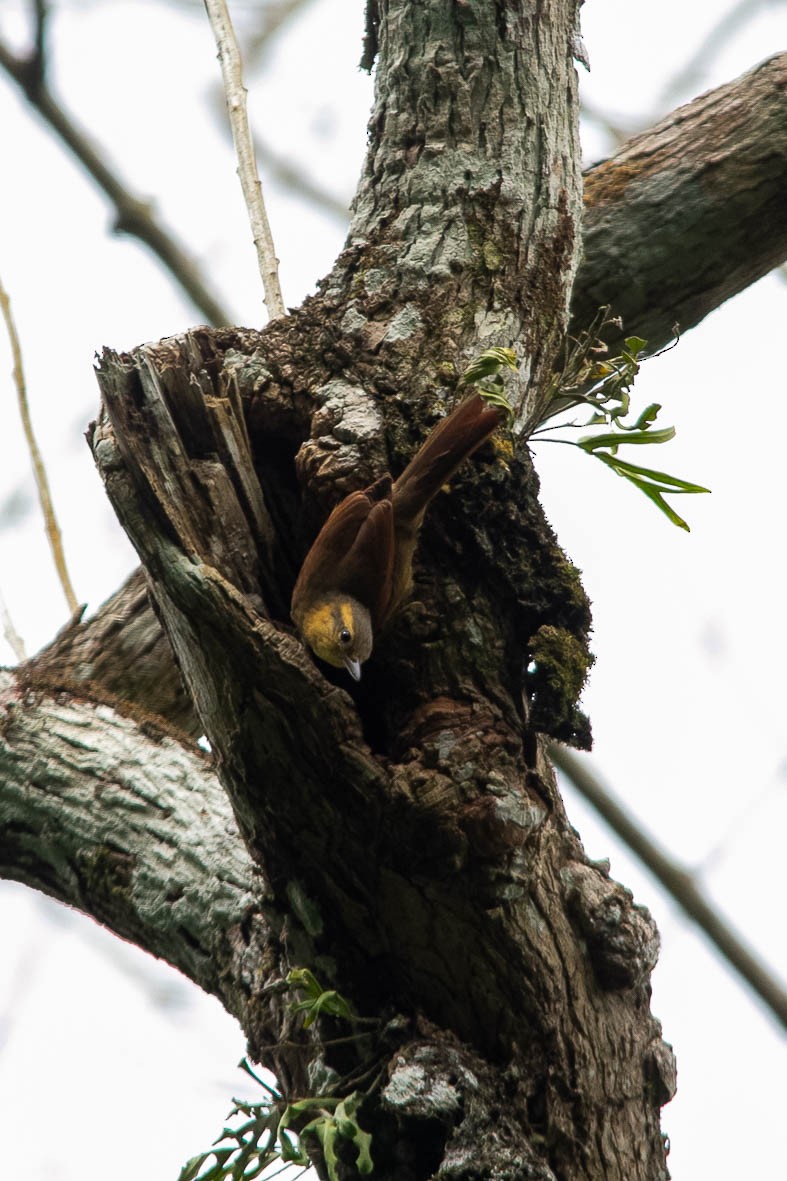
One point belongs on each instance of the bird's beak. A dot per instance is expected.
(353, 667)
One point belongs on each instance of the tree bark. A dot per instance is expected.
(406, 843)
(412, 835)
(634, 258)
(688, 213)
(120, 820)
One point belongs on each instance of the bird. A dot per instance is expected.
(358, 571)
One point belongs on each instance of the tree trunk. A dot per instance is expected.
(416, 854)
(403, 838)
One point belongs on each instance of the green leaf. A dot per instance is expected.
(291, 1150)
(304, 979)
(488, 364)
(614, 440)
(495, 397)
(325, 1131)
(192, 1167)
(660, 479)
(301, 1106)
(635, 345)
(329, 1003)
(653, 484)
(484, 372)
(648, 415)
(364, 1162)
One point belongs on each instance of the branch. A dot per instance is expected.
(12, 636)
(721, 32)
(134, 216)
(688, 213)
(235, 93)
(676, 880)
(122, 653)
(125, 824)
(51, 526)
(272, 20)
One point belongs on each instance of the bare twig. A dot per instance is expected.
(677, 881)
(13, 638)
(235, 92)
(41, 8)
(134, 215)
(39, 471)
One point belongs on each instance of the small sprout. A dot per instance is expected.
(318, 1002)
(485, 373)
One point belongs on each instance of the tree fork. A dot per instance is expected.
(413, 836)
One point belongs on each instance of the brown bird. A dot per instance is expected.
(359, 569)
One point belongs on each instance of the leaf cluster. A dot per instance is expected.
(591, 378)
(485, 372)
(318, 1002)
(274, 1130)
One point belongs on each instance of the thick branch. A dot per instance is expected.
(688, 213)
(122, 651)
(125, 824)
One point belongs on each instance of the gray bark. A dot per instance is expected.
(415, 851)
(690, 212)
(655, 266)
(123, 821)
(413, 836)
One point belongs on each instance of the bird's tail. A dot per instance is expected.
(446, 448)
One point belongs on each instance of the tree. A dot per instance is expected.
(512, 961)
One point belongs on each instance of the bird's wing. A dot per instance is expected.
(353, 552)
(366, 569)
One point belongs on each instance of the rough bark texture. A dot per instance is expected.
(123, 648)
(415, 852)
(412, 835)
(690, 212)
(126, 823)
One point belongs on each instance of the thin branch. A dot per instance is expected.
(291, 176)
(134, 216)
(13, 638)
(235, 92)
(39, 471)
(676, 880)
(41, 30)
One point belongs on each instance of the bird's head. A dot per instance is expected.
(338, 629)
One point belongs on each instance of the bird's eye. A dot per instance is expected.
(344, 636)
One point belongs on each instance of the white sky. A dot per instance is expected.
(108, 1059)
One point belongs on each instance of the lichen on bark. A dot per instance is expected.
(413, 843)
